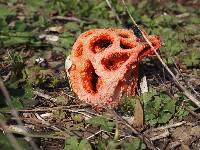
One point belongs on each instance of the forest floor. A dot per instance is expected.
(38, 109)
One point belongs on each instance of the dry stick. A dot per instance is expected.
(44, 109)
(186, 82)
(14, 112)
(192, 112)
(86, 21)
(7, 76)
(160, 136)
(125, 137)
(68, 18)
(64, 108)
(47, 123)
(93, 135)
(35, 135)
(40, 94)
(48, 97)
(139, 135)
(169, 126)
(181, 87)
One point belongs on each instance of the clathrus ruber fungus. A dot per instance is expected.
(105, 64)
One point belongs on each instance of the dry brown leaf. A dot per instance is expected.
(138, 114)
(185, 147)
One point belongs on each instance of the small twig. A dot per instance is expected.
(138, 134)
(40, 94)
(17, 34)
(125, 137)
(47, 123)
(70, 96)
(192, 112)
(67, 18)
(93, 135)
(178, 84)
(42, 109)
(48, 97)
(160, 136)
(86, 21)
(183, 15)
(169, 126)
(7, 76)
(34, 135)
(64, 108)
(185, 81)
(198, 94)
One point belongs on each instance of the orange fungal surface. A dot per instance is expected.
(105, 65)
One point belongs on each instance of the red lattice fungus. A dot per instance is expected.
(105, 64)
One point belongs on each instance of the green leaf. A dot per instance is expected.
(107, 24)
(27, 99)
(15, 40)
(148, 95)
(16, 103)
(181, 113)
(3, 26)
(41, 22)
(112, 145)
(194, 19)
(84, 145)
(73, 144)
(66, 42)
(128, 104)
(191, 29)
(150, 116)
(164, 117)
(17, 68)
(152, 122)
(193, 59)
(34, 5)
(142, 4)
(103, 122)
(170, 107)
(158, 103)
(5, 11)
(181, 8)
(158, 107)
(21, 94)
(20, 26)
(72, 26)
(59, 115)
